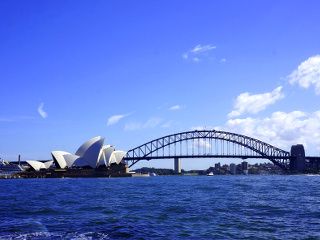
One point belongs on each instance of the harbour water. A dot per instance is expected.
(176, 207)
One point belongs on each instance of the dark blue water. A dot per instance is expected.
(218, 207)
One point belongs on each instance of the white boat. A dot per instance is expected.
(210, 174)
(140, 175)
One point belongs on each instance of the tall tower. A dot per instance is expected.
(298, 160)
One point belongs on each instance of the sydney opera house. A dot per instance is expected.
(92, 159)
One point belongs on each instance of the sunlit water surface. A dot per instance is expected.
(217, 207)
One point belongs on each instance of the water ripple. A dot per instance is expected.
(219, 207)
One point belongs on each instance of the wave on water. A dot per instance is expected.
(55, 236)
(219, 207)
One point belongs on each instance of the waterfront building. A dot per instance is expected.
(244, 167)
(233, 169)
(217, 166)
(91, 154)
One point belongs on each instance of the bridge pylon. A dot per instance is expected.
(298, 159)
(177, 165)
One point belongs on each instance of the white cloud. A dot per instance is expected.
(223, 60)
(198, 51)
(281, 129)
(202, 48)
(307, 74)
(196, 59)
(202, 143)
(150, 123)
(175, 108)
(116, 118)
(254, 103)
(185, 55)
(42, 113)
(167, 124)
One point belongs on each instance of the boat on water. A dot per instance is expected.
(140, 175)
(153, 174)
(210, 174)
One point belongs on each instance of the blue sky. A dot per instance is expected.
(132, 71)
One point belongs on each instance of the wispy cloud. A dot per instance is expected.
(223, 60)
(167, 124)
(150, 123)
(41, 111)
(202, 48)
(16, 118)
(114, 119)
(195, 54)
(175, 107)
(196, 59)
(6, 119)
(307, 74)
(254, 103)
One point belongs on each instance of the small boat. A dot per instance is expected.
(140, 175)
(153, 174)
(210, 174)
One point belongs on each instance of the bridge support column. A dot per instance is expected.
(298, 160)
(177, 165)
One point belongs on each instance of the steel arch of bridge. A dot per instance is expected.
(242, 147)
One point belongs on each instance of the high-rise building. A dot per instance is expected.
(217, 166)
(233, 169)
(244, 167)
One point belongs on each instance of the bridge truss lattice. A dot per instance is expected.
(208, 144)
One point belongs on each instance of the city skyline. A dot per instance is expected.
(136, 72)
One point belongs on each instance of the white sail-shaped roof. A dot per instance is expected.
(93, 152)
(59, 159)
(90, 154)
(102, 156)
(63, 159)
(85, 146)
(48, 164)
(107, 152)
(70, 159)
(116, 157)
(37, 165)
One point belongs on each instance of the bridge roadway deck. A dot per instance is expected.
(203, 156)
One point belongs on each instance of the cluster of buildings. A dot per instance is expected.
(233, 169)
(244, 168)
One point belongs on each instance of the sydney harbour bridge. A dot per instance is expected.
(221, 144)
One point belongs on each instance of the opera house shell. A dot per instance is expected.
(37, 165)
(92, 154)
